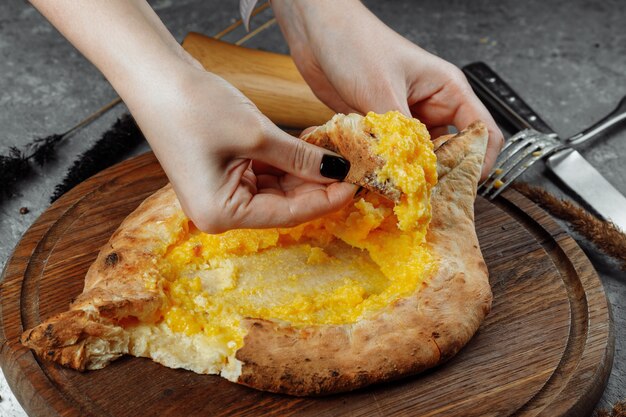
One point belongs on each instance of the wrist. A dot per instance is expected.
(124, 39)
(313, 22)
(152, 75)
(318, 12)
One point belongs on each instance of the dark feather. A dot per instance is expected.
(13, 167)
(17, 165)
(43, 148)
(108, 150)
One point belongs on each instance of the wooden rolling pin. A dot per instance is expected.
(270, 80)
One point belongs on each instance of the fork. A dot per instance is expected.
(537, 141)
(519, 153)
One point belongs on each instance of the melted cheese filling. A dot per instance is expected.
(332, 270)
(410, 163)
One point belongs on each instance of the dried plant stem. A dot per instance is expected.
(605, 235)
(619, 410)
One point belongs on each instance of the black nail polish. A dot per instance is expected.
(334, 167)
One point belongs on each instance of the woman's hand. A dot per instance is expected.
(230, 166)
(355, 63)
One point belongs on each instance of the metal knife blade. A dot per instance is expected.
(568, 164)
(584, 180)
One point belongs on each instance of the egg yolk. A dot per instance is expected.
(332, 270)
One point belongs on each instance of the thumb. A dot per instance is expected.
(302, 159)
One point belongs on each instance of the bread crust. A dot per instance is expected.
(115, 290)
(412, 334)
(348, 136)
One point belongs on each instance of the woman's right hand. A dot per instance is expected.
(230, 166)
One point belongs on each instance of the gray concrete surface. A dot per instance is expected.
(567, 59)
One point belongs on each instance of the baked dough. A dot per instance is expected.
(345, 135)
(119, 311)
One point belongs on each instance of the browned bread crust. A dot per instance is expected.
(412, 334)
(348, 136)
(91, 333)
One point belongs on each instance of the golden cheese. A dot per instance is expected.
(410, 163)
(331, 270)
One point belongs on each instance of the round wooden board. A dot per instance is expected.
(545, 349)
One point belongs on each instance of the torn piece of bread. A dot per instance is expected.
(348, 136)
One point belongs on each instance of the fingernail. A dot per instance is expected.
(334, 167)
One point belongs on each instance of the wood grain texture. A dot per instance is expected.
(545, 349)
(269, 80)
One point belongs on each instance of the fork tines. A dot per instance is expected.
(519, 153)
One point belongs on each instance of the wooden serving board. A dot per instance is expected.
(545, 349)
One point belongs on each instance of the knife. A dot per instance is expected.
(567, 164)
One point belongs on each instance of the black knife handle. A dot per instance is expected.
(498, 95)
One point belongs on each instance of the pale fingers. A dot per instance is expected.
(271, 209)
(297, 157)
(471, 111)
